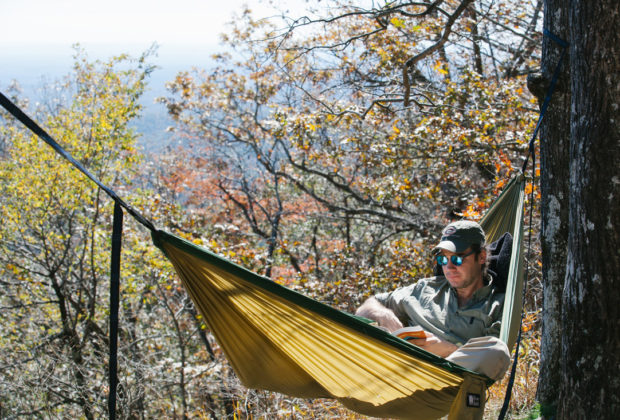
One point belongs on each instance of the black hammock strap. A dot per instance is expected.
(115, 271)
(547, 100)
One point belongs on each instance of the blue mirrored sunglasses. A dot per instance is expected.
(456, 259)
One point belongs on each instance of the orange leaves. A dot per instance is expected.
(498, 167)
(406, 185)
(529, 188)
(475, 210)
(530, 320)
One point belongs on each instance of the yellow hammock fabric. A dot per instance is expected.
(279, 340)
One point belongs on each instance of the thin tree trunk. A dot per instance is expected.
(471, 13)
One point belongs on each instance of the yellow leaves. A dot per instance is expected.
(46, 203)
(398, 23)
(384, 55)
(13, 268)
(440, 67)
(395, 129)
(405, 185)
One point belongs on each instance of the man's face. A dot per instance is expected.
(469, 273)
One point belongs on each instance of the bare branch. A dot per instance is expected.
(428, 51)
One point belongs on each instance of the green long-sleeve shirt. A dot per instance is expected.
(433, 305)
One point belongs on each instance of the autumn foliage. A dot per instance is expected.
(325, 152)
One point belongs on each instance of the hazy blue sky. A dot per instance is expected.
(58, 22)
(36, 36)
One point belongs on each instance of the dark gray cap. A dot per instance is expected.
(458, 236)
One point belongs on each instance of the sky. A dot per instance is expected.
(36, 36)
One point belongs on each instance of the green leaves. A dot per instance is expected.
(54, 241)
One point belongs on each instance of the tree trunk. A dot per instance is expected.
(590, 357)
(554, 177)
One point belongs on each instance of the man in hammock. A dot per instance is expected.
(460, 311)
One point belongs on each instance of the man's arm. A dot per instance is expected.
(435, 345)
(385, 317)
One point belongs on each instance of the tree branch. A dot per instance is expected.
(428, 51)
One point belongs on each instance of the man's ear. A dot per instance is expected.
(482, 256)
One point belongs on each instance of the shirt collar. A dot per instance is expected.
(481, 294)
(485, 290)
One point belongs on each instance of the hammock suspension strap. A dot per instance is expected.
(115, 269)
(545, 105)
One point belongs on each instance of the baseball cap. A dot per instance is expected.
(460, 235)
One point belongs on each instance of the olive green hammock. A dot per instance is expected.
(279, 340)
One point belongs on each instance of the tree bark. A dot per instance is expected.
(554, 185)
(590, 356)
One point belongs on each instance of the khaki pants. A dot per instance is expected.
(487, 355)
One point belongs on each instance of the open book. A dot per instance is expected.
(407, 333)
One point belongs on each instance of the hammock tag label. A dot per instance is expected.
(473, 400)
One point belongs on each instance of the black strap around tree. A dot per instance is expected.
(554, 81)
(532, 152)
(117, 233)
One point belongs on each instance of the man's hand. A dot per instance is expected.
(388, 320)
(374, 310)
(435, 345)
